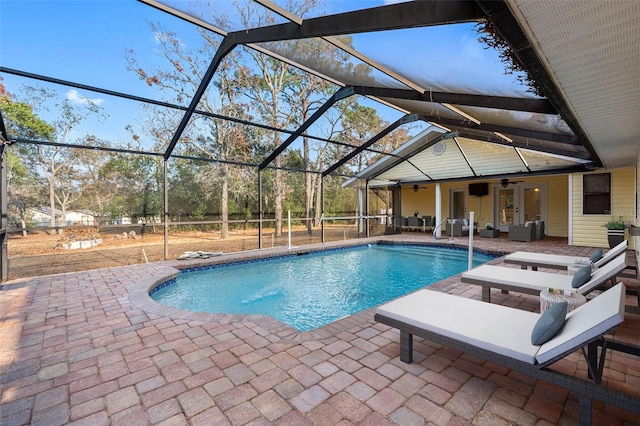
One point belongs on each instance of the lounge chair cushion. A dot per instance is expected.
(581, 277)
(596, 255)
(549, 324)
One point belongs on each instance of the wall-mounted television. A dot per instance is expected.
(479, 189)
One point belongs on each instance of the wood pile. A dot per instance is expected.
(77, 234)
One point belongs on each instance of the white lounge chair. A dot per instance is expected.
(533, 282)
(553, 261)
(502, 335)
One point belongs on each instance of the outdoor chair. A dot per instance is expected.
(555, 261)
(526, 232)
(533, 282)
(428, 222)
(503, 335)
(414, 223)
(539, 229)
(461, 227)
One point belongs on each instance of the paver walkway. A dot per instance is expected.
(90, 348)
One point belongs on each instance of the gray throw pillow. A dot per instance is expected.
(582, 276)
(549, 323)
(596, 255)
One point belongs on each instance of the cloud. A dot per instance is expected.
(77, 98)
(166, 38)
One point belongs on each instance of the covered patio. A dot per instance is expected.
(92, 348)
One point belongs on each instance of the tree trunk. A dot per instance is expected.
(52, 206)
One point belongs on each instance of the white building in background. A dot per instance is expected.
(41, 216)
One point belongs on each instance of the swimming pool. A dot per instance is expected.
(311, 290)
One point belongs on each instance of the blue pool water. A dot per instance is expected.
(314, 289)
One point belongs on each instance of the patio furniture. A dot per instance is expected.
(503, 336)
(526, 232)
(461, 227)
(414, 223)
(429, 222)
(549, 298)
(542, 260)
(533, 282)
(539, 229)
(490, 233)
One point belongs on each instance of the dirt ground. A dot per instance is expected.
(35, 254)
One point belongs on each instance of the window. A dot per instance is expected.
(596, 193)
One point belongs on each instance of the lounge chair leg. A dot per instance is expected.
(406, 347)
(486, 294)
(584, 410)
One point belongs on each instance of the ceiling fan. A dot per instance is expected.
(506, 182)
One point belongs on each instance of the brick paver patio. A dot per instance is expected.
(90, 348)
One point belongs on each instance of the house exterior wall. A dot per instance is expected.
(555, 205)
(588, 230)
(40, 218)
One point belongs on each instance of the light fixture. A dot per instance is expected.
(415, 188)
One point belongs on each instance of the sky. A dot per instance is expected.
(87, 41)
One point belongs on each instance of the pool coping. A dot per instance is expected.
(139, 295)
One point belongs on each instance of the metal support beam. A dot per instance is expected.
(225, 48)
(260, 208)
(403, 120)
(557, 150)
(542, 106)
(68, 83)
(4, 218)
(509, 131)
(322, 208)
(165, 172)
(4, 203)
(366, 206)
(340, 94)
(383, 18)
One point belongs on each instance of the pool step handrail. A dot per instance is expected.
(440, 226)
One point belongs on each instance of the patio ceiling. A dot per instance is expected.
(583, 54)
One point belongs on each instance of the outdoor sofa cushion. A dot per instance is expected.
(581, 277)
(596, 255)
(549, 324)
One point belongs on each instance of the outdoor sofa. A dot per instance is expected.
(502, 335)
(525, 233)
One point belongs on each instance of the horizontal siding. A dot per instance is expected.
(588, 230)
(557, 224)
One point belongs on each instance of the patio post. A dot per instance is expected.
(166, 209)
(4, 252)
(438, 231)
(259, 208)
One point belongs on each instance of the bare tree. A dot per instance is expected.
(55, 163)
(216, 139)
